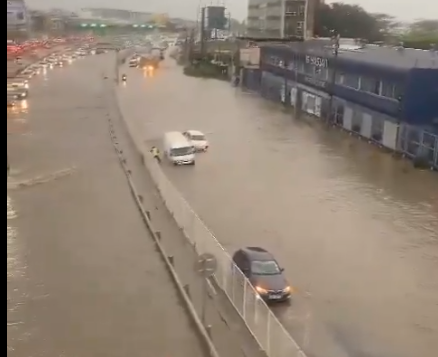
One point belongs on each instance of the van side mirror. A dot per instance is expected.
(282, 269)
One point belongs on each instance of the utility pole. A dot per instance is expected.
(336, 39)
(202, 34)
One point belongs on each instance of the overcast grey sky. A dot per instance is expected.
(402, 9)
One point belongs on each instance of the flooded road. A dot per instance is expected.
(355, 230)
(83, 276)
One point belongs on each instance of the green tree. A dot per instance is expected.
(424, 28)
(350, 21)
(422, 34)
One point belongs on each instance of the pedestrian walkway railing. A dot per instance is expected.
(267, 330)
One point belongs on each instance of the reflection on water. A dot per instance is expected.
(16, 271)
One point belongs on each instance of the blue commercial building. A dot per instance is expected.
(387, 95)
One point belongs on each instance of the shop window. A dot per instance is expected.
(356, 121)
(377, 128)
(339, 114)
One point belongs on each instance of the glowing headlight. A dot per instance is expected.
(261, 290)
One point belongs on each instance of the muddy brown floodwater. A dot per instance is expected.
(356, 230)
(83, 276)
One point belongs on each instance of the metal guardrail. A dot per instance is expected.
(267, 330)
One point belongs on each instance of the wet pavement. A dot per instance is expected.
(83, 276)
(355, 229)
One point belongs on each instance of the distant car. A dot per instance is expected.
(18, 82)
(28, 73)
(12, 101)
(17, 93)
(133, 62)
(264, 273)
(198, 139)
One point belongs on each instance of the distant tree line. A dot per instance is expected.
(352, 21)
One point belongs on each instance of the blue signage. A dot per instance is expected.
(312, 81)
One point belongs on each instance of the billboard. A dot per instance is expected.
(216, 18)
(17, 14)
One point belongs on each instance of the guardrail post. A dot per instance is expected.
(268, 334)
(187, 290)
(148, 214)
(171, 260)
(244, 301)
(158, 235)
(208, 329)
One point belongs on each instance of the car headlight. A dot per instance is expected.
(287, 289)
(261, 290)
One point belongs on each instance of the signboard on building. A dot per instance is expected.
(17, 14)
(250, 57)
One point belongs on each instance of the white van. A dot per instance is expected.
(178, 149)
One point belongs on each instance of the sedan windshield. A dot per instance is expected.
(267, 267)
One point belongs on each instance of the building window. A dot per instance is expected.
(370, 85)
(339, 78)
(302, 9)
(300, 25)
(351, 80)
(391, 90)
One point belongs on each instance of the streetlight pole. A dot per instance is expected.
(335, 45)
(202, 34)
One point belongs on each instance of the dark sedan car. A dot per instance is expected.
(264, 273)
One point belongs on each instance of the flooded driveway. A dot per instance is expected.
(355, 229)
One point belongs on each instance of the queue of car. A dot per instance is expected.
(18, 86)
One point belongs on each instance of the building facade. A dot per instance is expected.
(386, 95)
(281, 18)
(17, 19)
(117, 14)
